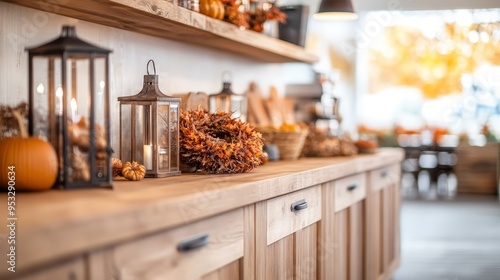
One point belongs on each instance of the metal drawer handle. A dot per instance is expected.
(384, 174)
(352, 187)
(192, 243)
(298, 205)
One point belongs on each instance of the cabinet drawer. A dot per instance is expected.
(289, 213)
(72, 270)
(349, 190)
(383, 177)
(187, 252)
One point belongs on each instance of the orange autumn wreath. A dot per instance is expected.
(217, 143)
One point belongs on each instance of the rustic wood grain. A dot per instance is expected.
(281, 221)
(374, 233)
(72, 269)
(396, 189)
(341, 241)
(100, 266)
(383, 177)
(306, 252)
(326, 241)
(260, 240)
(248, 261)
(345, 197)
(383, 222)
(356, 241)
(290, 253)
(157, 257)
(280, 259)
(164, 19)
(228, 272)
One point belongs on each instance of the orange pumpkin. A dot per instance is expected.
(133, 171)
(31, 161)
(222, 9)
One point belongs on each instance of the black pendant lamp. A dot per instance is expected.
(335, 9)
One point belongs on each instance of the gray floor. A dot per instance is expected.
(450, 239)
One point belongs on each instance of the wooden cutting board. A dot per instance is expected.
(289, 110)
(193, 100)
(256, 106)
(274, 106)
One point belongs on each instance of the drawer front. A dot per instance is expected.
(384, 177)
(289, 213)
(187, 252)
(72, 270)
(349, 190)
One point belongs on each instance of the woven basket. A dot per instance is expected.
(290, 144)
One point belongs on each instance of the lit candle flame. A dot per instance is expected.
(73, 104)
(59, 92)
(40, 88)
(74, 107)
(101, 88)
(59, 105)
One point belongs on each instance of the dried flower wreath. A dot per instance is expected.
(217, 143)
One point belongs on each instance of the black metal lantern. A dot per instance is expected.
(228, 101)
(69, 106)
(149, 128)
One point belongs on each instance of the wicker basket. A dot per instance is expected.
(290, 144)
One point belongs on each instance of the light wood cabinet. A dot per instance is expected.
(317, 218)
(74, 269)
(382, 212)
(211, 249)
(342, 229)
(286, 235)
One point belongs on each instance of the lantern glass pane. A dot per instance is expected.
(238, 106)
(100, 90)
(126, 132)
(220, 102)
(40, 90)
(100, 118)
(174, 137)
(77, 98)
(48, 102)
(77, 89)
(143, 132)
(163, 134)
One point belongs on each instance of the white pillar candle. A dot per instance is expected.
(59, 104)
(148, 157)
(40, 89)
(74, 108)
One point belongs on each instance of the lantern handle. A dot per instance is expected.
(154, 67)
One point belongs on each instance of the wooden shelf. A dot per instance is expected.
(164, 19)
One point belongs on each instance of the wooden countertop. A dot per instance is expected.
(56, 224)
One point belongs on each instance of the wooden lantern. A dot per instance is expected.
(149, 129)
(228, 101)
(69, 106)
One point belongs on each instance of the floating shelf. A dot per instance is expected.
(164, 19)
